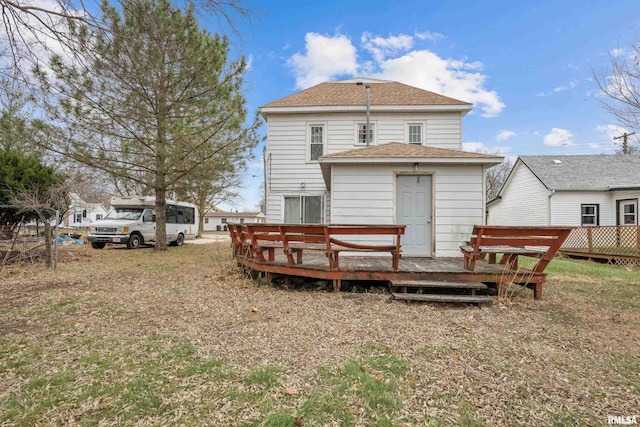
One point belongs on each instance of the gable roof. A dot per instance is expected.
(351, 95)
(600, 172)
(398, 152)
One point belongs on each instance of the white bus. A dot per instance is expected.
(132, 221)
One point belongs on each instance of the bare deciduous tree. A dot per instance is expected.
(496, 176)
(619, 84)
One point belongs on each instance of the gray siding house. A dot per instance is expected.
(412, 170)
(580, 190)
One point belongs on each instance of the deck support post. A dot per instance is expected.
(337, 284)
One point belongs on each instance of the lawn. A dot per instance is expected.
(120, 337)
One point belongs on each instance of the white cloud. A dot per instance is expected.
(558, 137)
(474, 147)
(428, 35)
(249, 60)
(450, 77)
(504, 134)
(392, 58)
(608, 132)
(480, 147)
(324, 59)
(616, 52)
(381, 47)
(571, 85)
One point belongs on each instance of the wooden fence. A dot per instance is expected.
(620, 244)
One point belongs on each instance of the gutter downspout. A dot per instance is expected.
(551, 193)
(368, 136)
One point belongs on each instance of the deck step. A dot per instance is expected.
(476, 299)
(437, 284)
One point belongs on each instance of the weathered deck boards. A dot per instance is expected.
(379, 268)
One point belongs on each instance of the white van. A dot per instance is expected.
(132, 221)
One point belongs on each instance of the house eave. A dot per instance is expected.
(326, 163)
(462, 108)
(424, 160)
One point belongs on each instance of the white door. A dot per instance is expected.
(413, 208)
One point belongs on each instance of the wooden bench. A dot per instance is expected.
(541, 242)
(294, 239)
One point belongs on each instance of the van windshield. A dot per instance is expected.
(128, 214)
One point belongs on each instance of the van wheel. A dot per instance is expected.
(179, 240)
(135, 241)
(98, 245)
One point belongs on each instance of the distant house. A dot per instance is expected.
(584, 190)
(325, 164)
(81, 214)
(217, 220)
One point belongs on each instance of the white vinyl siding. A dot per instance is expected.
(366, 194)
(290, 171)
(525, 201)
(566, 207)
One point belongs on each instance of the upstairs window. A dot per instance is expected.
(415, 133)
(362, 133)
(316, 141)
(590, 214)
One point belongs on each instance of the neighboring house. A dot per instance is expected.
(320, 169)
(217, 220)
(81, 214)
(569, 190)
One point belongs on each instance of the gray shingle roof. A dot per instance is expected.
(585, 172)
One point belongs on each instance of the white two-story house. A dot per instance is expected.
(409, 168)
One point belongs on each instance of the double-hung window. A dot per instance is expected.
(303, 209)
(414, 133)
(628, 213)
(590, 214)
(361, 137)
(316, 141)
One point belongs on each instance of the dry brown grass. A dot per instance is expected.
(115, 321)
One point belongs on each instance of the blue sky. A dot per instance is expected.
(526, 66)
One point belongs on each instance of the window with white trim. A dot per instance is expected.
(316, 141)
(629, 213)
(303, 209)
(361, 133)
(414, 133)
(590, 214)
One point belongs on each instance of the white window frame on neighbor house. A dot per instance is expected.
(409, 134)
(300, 217)
(589, 218)
(77, 218)
(632, 216)
(359, 130)
(311, 143)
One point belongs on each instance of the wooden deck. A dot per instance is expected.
(370, 268)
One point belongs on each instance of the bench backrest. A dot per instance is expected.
(549, 237)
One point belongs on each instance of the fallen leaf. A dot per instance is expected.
(352, 411)
(290, 391)
(455, 357)
(363, 369)
(411, 378)
(298, 422)
(254, 309)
